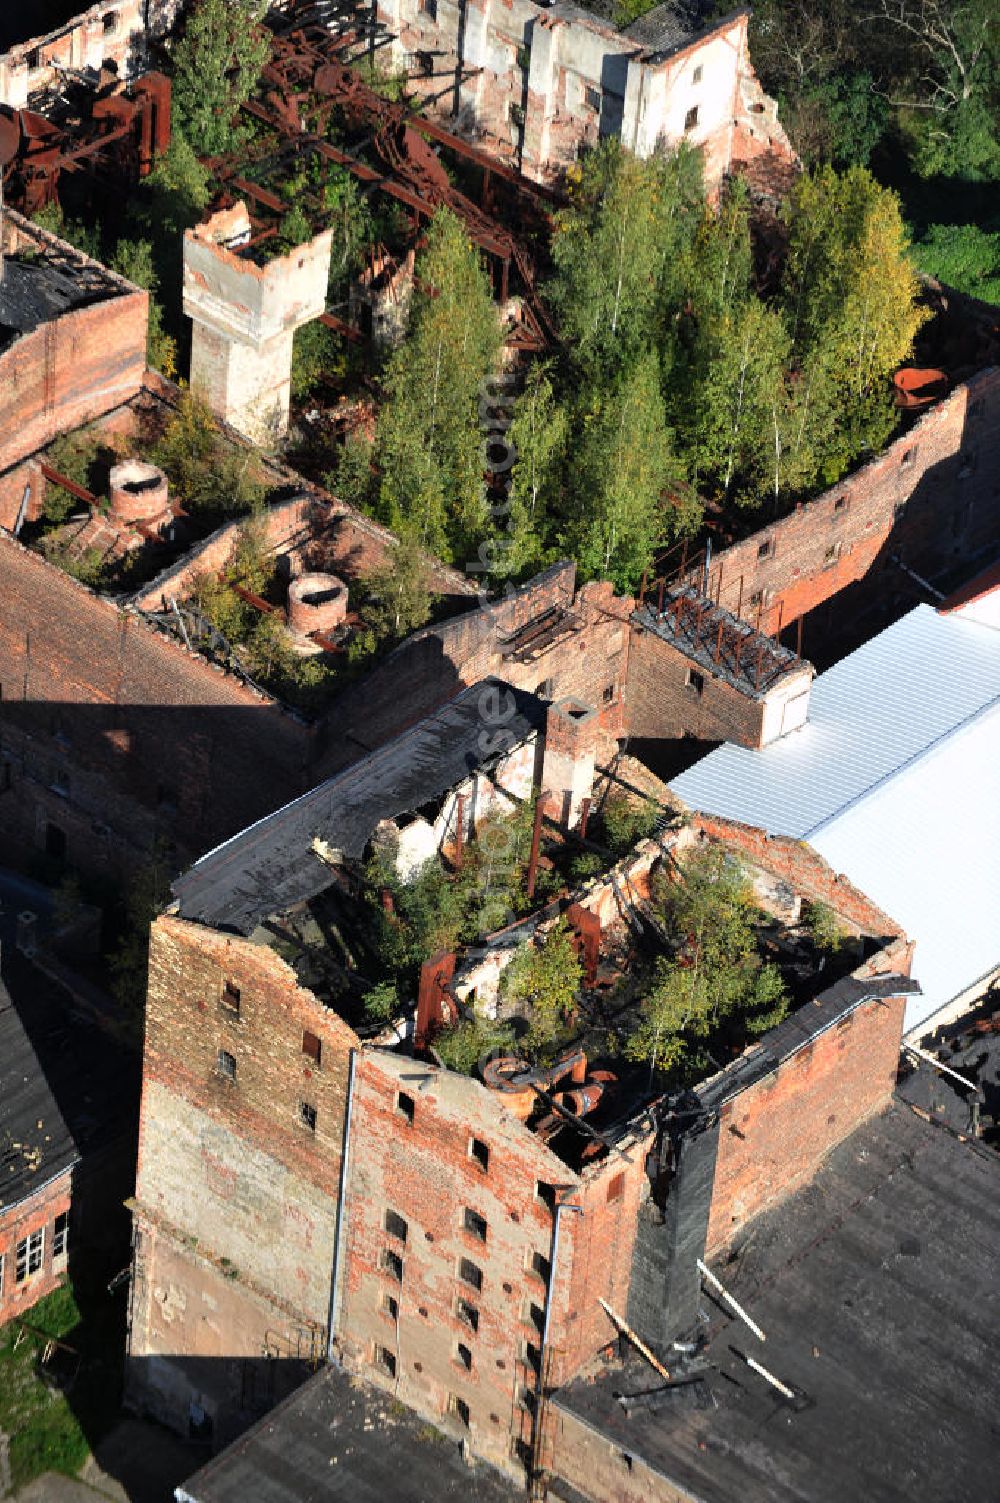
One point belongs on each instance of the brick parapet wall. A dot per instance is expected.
(805, 871)
(930, 497)
(774, 1135)
(35, 1212)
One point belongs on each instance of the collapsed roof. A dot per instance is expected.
(273, 864)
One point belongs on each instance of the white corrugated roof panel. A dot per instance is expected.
(895, 781)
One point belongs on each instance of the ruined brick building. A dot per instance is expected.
(115, 33)
(535, 83)
(304, 1192)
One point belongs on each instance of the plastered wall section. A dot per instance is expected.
(231, 1159)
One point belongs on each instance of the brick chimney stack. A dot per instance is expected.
(568, 764)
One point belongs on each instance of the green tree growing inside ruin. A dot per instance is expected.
(429, 444)
(714, 976)
(399, 593)
(544, 982)
(217, 63)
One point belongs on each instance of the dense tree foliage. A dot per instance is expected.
(714, 977)
(429, 446)
(217, 62)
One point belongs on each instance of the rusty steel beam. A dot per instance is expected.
(60, 479)
(536, 836)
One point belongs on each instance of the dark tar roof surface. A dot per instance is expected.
(35, 292)
(35, 1143)
(335, 1438)
(272, 866)
(878, 1288)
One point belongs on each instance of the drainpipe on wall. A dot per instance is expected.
(546, 1324)
(338, 1237)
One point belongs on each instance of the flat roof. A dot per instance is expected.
(895, 781)
(36, 291)
(878, 1288)
(272, 865)
(336, 1437)
(35, 1143)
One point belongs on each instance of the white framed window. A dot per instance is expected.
(29, 1252)
(60, 1236)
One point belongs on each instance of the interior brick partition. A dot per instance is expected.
(931, 497)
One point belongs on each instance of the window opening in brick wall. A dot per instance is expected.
(390, 1306)
(464, 1356)
(404, 1106)
(110, 23)
(609, 693)
(396, 1225)
(546, 1194)
(479, 1153)
(616, 1187)
(840, 504)
(29, 1254)
(386, 1360)
(696, 75)
(226, 1065)
(459, 1408)
(55, 842)
(539, 1265)
(764, 549)
(691, 118)
(392, 1264)
(307, 1115)
(474, 1224)
(60, 1235)
(695, 681)
(592, 99)
(517, 114)
(470, 1273)
(526, 1398)
(907, 459)
(524, 58)
(231, 997)
(531, 1356)
(534, 1315)
(312, 1047)
(428, 8)
(467, 1314)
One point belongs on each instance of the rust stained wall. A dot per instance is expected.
(37, 1212)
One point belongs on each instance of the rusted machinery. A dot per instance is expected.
(121, 132)
(306, 80)
(526, 1089)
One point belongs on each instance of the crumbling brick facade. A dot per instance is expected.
(237, 1185)
(929, 499)
(543, 82)
(115, 32)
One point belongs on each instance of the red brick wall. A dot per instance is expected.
(70, 371)
(38, 1211)
(144, 735)
(803, 869)
(774, 1135)
(659, 701)
(929, 497)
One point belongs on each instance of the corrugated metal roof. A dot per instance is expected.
(895, 780)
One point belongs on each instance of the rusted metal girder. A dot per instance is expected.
(306, 72)
(128, 130)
